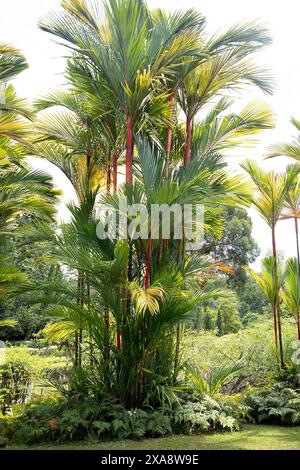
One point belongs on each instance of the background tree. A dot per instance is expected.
(290, 293)
(269, 200)
(290, 150)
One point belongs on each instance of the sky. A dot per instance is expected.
(18, 26)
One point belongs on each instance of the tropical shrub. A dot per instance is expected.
(253, 345)
(205, 381)
(15, 384)
(279, 404)
(25, 373)
(58, 419)
(206, 415)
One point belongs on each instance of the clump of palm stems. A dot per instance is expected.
(123, 304)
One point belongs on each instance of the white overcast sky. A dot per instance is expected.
(18, 26)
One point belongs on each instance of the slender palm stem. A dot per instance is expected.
(129, 150)
(108, 178)
(188, 140)
(115, 171)
(76, 349)
(177, 350)
(148, 264)
(169, 137)
(298, 262)
(278, 331)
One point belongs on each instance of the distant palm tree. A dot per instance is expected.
(290, 293)
(227, 68)
(270, 280)
(269, 200)
(22, 191)
(12, 127)
(291, 208)
(290, 150)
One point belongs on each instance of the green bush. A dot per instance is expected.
(57, 419)
(279, 404)
(15, 384)
(24, 375)
(209, 415)
(253, 345)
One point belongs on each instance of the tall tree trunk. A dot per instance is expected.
(78, 334)
(81, 290)
(298, 262)
(128, 180)
(129, 150)
(169, 136)
(115, 171)
(188, 140)
(76, 349)
(297, 242)
(148, 264)
(277, 302)
(165, 243)
(177, 350)
(108, 178)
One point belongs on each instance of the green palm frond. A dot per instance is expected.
(146, 299)
(271, 190)
(290, 293)
(12, 62)
(266, 279)
(8, 322)
(290, 150)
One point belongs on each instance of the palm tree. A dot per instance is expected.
(220, 129)
(156, 309)
(127, 298)
(210, 186)
(269, 200)
(12, 127)
(130, 57)
(290, 293)
(291, 208)
(290, 150)
(12, 62)
(71, 139)
(228, 68)
(180, 22)
(270, 280)
(22, 191)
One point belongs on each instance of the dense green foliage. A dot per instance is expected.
(277, 405)
(141, 335)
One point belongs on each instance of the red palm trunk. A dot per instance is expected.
(129, 150)
(115, 171)
(118, 339)
(298, 262)
(188, 140)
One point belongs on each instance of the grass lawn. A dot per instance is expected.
(250, 438)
